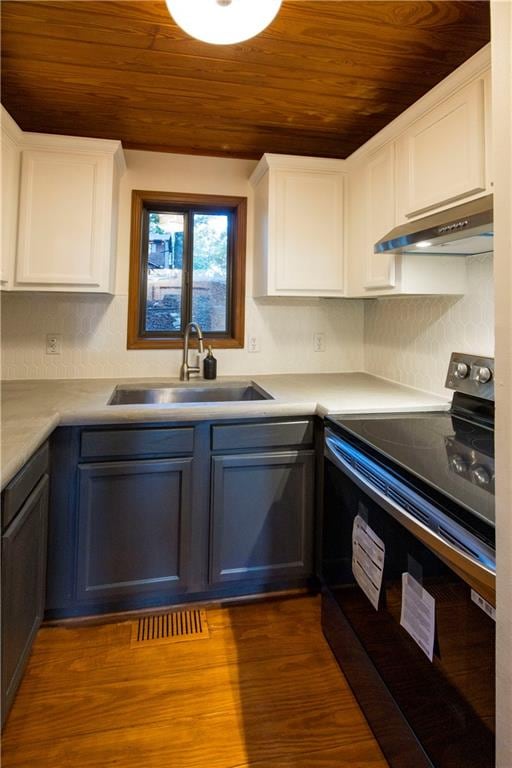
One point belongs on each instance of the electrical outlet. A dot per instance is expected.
(319, 342)
(253, 344)
(53, 343)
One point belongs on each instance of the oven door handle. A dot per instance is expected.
(444, 541)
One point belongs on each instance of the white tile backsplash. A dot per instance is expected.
(93, 332)
(405, 339)
(410, 339)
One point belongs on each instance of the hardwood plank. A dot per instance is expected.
(320, 80)
(215, 741)
(268, 692)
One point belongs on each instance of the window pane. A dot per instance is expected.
(164, 271)
(210, 271)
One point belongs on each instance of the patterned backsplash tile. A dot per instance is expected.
(93, 332)
(410, 339)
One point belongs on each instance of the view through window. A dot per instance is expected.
(167, 265)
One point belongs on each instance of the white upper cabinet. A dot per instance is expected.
(67, 214)
(10, 159)
(442, 155)
(299, 235)
(371, 214)
(433, 156)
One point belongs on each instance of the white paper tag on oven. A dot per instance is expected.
(367, 559)
(418, 616)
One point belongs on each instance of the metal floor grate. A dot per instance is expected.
(172, 627)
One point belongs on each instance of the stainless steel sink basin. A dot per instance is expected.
(141, 394)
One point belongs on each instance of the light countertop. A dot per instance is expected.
(31, 410)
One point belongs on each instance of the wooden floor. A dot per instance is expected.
(262, 691)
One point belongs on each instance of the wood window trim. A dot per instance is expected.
(142, 199)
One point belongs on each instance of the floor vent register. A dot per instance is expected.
(173, 627)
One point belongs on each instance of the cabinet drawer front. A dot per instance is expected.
(136, 442)
(20, 487)
(241, 436)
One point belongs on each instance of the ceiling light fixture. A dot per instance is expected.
(423, 244)
(223, 22)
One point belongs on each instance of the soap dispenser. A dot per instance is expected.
(210, 365)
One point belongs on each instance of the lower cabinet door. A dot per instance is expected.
(133, 528)
(261, 525)
(23, 587)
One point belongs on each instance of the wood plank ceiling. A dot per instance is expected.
(321, 80)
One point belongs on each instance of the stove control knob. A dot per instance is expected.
(460, 370)
(458, 464)
(481, 374)
(480, 475)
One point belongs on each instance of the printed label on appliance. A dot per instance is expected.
(418, 616)
(367, 560)
(483, 604)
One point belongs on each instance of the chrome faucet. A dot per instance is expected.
(187, 369)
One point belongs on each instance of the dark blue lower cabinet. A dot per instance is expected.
(23, 587)
(261, 516)
(133, 528)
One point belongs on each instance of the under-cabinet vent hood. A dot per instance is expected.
(465, 230)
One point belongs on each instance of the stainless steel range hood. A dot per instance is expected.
(464, 230)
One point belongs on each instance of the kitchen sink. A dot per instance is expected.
(173, 394)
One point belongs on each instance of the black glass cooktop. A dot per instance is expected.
(451, 454)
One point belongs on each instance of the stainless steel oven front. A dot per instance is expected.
(426, 710)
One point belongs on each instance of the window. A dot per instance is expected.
(187, 263)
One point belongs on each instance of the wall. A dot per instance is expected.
(405, 339)
(501, 28)
(94, 327)
(410, 339)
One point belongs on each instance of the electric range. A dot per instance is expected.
(408, 571)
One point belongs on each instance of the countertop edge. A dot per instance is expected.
(24, 445)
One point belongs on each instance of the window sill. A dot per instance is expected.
(155, 343)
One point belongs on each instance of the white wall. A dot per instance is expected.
(501, 28)
(410, 339)
(94, 327)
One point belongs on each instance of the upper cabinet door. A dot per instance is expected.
(308, 231)
(443, 153)
(9, 190)
(64, 208)
(380, 216)
(59, 211)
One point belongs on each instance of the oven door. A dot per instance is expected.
(423, 713)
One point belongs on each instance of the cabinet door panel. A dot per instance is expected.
(133, 527)
(309, 231)
(445, 152)
(62, 221)
(23, 587)
(381, 216)
(9, 192)
(261, 516)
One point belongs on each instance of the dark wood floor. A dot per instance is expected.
(262, 691)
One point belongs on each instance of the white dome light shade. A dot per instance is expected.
(223, 22)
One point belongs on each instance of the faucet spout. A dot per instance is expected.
(187, 369)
